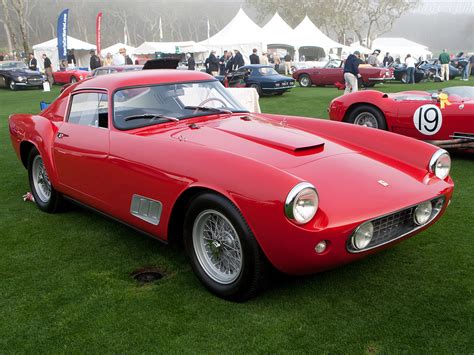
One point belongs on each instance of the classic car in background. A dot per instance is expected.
(443, 118)
(15, 75)
(264, 78)
(432, 67)
(114, 69)
(174, 155)
(333, 72)
(400, 73)
(69, 75)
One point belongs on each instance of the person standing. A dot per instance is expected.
(276, 61)
(444, 60)
(264, 59)
(470, 65)
(71, 58)
(128, 60)
(94, 61)
(387, 60)
(254, 59)
(191, 62)
(230, 62)
(287, 59)
(410, 63)
(33, 63)
(351, 72)
(48, 70)
(109, 60)
(213, 63)
(238, 60)
(373, 58)
(222, 63)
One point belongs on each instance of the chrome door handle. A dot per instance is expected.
(61, 135)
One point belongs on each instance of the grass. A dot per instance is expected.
(65, 284)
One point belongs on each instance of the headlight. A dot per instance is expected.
(302, 203)
(363, 235)
(423, 213)
(440, 164)
(21, 78)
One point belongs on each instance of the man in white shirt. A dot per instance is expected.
(410, 63)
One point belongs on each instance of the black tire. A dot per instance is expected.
(369, 84)
(257, 87)
(73, 80)
(243, 284)
(371, 114)
(50, 204)
(305, 81)
(12, 86)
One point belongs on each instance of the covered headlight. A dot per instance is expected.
(21, 78)
(440, 164)
(302, 203)
(363, 235)
(422, 213)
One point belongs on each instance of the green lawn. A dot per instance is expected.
(65, 284)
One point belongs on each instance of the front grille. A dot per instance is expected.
(395, 225)
(35, 80)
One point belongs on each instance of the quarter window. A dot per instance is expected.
(89, 109)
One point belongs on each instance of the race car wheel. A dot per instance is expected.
(73, 80)
(46, 197)
(368, 116)
(257, 87)
(12, 86)
(222, 249)
(305, 81)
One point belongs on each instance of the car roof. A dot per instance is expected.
(122, 67)
(257, 66)
(142, 77)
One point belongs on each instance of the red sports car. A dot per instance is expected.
(443, 118)
(333, 74)
(69, 76)
(173, 154)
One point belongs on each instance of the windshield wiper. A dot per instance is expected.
(208, 109)
(150, 116)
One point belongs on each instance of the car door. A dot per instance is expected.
(81, 148)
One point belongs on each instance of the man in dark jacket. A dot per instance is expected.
(254, 58)
(32, 63)
(48, 70)
(95, 60)
(191, 62)
(213, 63)
(238, 60)
(351, 72)
(223, 63)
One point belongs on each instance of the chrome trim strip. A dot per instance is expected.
(400, 236)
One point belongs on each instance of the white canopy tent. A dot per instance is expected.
(278, 32)
(400, 47)
(308, 35)
(240, 33)
(197, 49)
(50, 48)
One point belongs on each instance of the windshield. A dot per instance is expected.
(267, 71)
(464, 92)
(12, 65)
(334, 63)
(149, 105)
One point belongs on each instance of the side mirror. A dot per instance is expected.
(435, 96)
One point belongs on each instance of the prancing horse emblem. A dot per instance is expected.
(383, 183)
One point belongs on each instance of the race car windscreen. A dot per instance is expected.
(464, 92)
(149, 105)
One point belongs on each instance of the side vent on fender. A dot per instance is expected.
(147, 209)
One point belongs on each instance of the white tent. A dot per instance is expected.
(308, 35)
(114, 49)
(147, 48)
(277, 32)
(400, 47)
(240, 33)
(50, 48)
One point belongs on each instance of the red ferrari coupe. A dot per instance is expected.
(173, 154)
(444, 118)
(333, 73)
(69, 76)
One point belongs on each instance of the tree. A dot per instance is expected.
(8, 27)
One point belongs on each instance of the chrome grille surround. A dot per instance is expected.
(393, 226)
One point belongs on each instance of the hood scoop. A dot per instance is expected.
(266, 133)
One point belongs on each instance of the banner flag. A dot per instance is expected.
(98, 22)
(62, 34)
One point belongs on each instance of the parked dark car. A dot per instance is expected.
(115, 69)
(400, 73)
(15, 74)
(433, 69)
(263, 78)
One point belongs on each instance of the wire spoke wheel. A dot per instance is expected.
(366, 119)
(217, 246)
(41, 181)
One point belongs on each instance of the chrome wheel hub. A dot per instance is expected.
(217, 247)
(366, 119)
(41, 181)
(304, 81)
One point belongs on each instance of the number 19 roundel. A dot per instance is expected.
(428, 119)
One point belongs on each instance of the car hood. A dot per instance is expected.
(22, 72)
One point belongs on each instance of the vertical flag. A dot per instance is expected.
(62, 34)
(161, 30)
(98, 22)
(208, 29)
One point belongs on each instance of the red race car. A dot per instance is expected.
(333, 74)
(444, 118)
(173, 154)
(69, 76)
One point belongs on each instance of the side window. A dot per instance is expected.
(89, 109)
